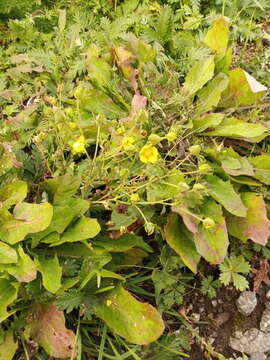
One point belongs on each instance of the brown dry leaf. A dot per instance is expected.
(261, 274)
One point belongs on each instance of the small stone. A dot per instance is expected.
(258, 356)
(214, 303)
(195, 317)
(265, 320)
(246, 302)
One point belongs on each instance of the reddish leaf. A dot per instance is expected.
(47, 327)
(261, 274)
(255, 226)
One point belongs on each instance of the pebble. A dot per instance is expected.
(214, 303)
(246, 302)
(265, 320)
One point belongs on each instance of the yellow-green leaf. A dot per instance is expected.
(199, 75)
(51, 273)
(137, 322)
(217, 36)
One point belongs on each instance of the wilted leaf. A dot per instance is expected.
(24, 270)
(190, 221)
(199, 75)
(46, 325)
(210, 95)
(123, 243)
(231, 127)
(28, 218)
(9, 347)
(217, 36)
(8, 293)
(8, 255)
(181, 240)
(137, 322)
(212, 243)
(51, 273)
(255, 226)
(224, 193)
(13, 193)
(242, 89)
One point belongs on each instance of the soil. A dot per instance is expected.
(219, 318)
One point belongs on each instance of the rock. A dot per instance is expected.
(214, 303)
(265, 320)
(246, 302)
(195, 317)
(251, 342)
(258, 356)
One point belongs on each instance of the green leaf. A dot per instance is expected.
(120, 220)
(242, 89)
(62, 217)
(234, 128)
(28, 218)
(234, 164)
(166, 188)
(212, 243)
(100, 73)
(199, 75)
(261, 166)
(46, 326)
(9, 347)
(123, 243)
(51, 273)
(24, 270)
(181, 240)
(209, 121)
(230, 270)
(255, 226)
(8, 294)
(217, 36)
(8, 255)
(239, 282)
(224, 193)
(78, 206)
(210, 95)
(97, 102)
(84, 228)
(62, 187)
(13, 193)
(137, 322)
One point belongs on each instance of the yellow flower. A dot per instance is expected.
(149, 154)
(109, 302)
(121, 130)
(72, 125)
(134, 197)
(78, 146)
(127, 142)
